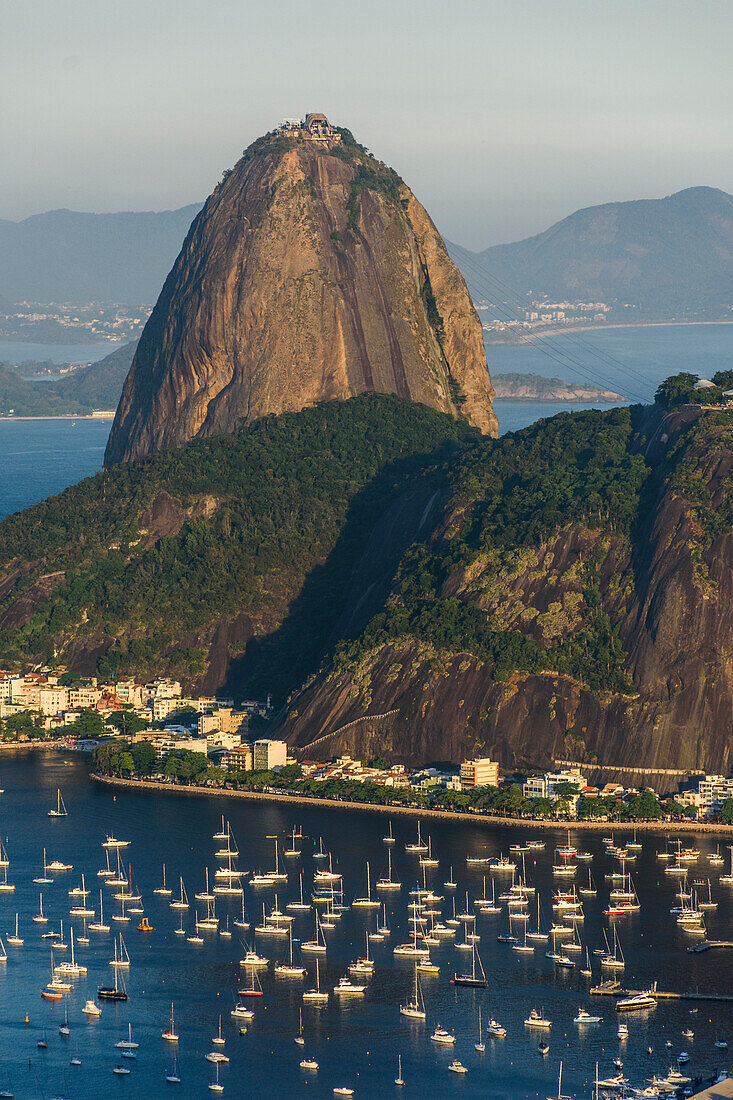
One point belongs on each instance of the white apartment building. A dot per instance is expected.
(269, 754)
(711, 793)
(545, 786)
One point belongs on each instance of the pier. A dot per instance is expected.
(614, 989)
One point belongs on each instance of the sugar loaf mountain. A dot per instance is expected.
(312, 273)
(304, 495)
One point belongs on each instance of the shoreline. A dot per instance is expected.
(535, 823)
(103, 414)
(559, 330)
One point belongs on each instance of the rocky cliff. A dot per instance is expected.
(583, 635)
(312, 273)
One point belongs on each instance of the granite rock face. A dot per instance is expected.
(312, 273)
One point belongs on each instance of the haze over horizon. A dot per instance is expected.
(502, 118)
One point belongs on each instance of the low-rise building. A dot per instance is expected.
(482, 772)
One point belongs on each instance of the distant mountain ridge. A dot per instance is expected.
(66, 256)
(669, 258)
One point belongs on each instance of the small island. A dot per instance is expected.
(535, 387)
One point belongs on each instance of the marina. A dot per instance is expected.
(422, 977)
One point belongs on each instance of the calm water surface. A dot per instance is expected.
(355, 1043)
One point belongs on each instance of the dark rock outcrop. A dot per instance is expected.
(669, 589)
(311, 274)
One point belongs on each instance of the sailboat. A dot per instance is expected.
(615, 960)
(589, 890)
(44, 879)
(163, 891)
(414, 1009)
(587, 971)
(560, 1095)
(60, 810)
(83, 909)
(299, 906)
(39, 918)
(241, 923)
(318, 944)
(15, 939)
(71, 966)
(398, 1079)
(388, 883)
(480, 1046)
(300, 1038)
(419, 847)
(389, 838)
(476, 978)
(289, 969)
(368, 902)
(117, 992)
(219, 1039)
(215, 1086)
(317, 995)
(99, 925)
(5, 886)
(293, 851)
(540, 933)
(128, 1043)
(172, 1078)
(181, 902)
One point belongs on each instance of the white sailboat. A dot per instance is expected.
(388, 883)
(317, 995)
(14, 938)
(60, 810)
(163, 890)
(99, 925)
(181, 902)
(44, 879)
(414, 1009)
(368, 902)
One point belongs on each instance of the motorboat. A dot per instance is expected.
(440, 1035)
(537, 1019)
(584, 1017)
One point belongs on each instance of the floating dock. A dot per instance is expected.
(614, 989)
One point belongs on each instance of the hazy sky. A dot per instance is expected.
(502, 116)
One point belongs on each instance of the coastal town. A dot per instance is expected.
(209, 741)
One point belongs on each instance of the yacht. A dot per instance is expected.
(457, 1067)
(91, 1008)
(113, 842)
(636, 1002)
(309, 1065)
(440, 1035)
(347, 988)
(584, 1017)
(537, 1019)
(495, 1029)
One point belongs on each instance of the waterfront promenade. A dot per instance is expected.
(542, 824)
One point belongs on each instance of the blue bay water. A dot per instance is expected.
(356, 1042)
(18, 351)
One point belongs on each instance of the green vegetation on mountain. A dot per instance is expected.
(572, 469)
(97, 386)
(256, 514)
